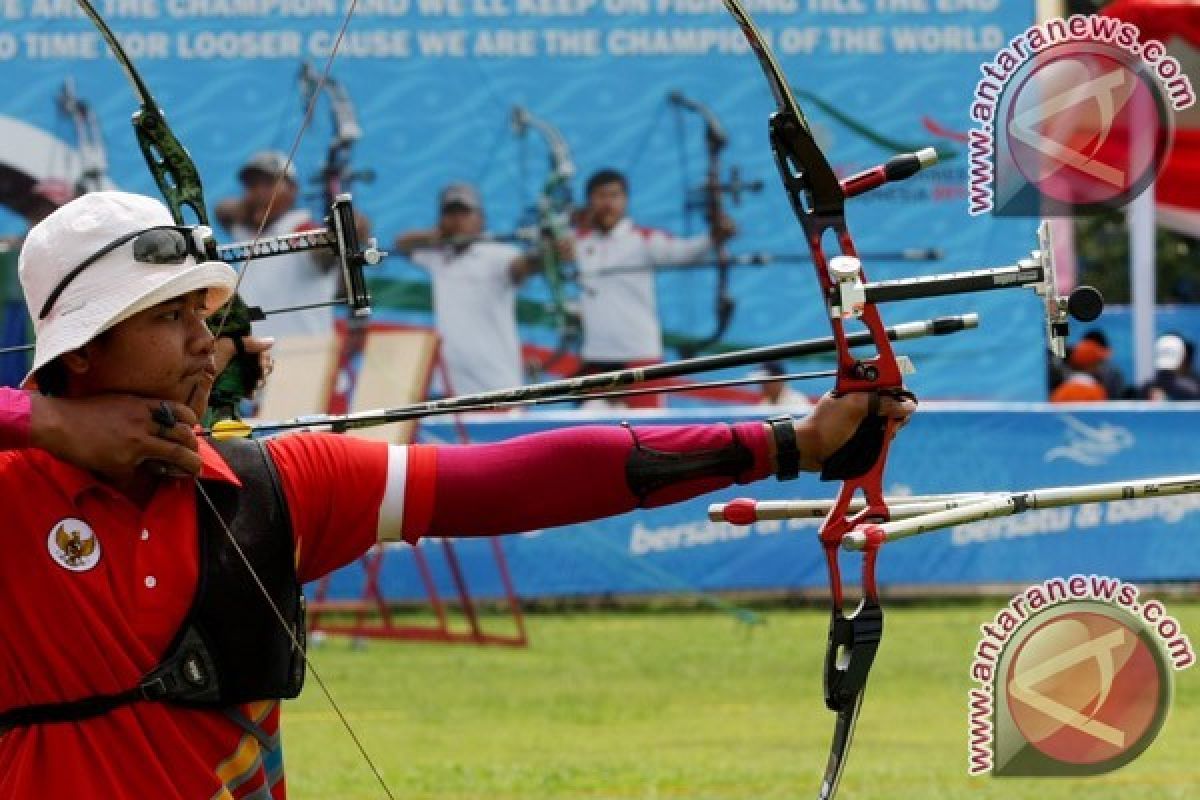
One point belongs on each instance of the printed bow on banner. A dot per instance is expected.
(89, 142)
(708, 198)
(550, 218)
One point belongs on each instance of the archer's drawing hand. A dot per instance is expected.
(407, 243)
(835, 420)
(114, 435)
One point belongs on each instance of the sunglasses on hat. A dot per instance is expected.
(162, 244)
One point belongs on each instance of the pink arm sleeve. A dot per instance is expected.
(15, 418)
(567, 476)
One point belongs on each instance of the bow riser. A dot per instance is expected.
(818, 201)
(336, 177)
(171, 166)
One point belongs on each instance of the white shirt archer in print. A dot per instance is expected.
(617, 299)
(294, 279)
(475, 312)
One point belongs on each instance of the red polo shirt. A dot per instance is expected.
(92, 590)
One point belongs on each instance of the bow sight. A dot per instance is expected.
(850, 293)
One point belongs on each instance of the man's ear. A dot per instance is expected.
(77, 362)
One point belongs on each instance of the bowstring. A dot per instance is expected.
(296, 643)
(643, 141)
(241, 272)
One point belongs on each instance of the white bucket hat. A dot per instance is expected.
(115, 286)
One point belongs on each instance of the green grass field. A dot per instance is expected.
(679, 705)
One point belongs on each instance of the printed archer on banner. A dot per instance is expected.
(435, 82)
(946, 448)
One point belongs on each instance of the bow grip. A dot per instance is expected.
(859, 453)
(242, 375)
(853, 642)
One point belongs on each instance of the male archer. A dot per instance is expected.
(474, 292)
(135, 645)
(617, 261)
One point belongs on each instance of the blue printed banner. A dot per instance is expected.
(435, 82)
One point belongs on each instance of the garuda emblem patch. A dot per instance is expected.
(73, 545)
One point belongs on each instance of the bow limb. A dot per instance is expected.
(181, 187)
(178, 181)
(168, 160)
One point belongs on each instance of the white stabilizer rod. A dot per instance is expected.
(1004, 505)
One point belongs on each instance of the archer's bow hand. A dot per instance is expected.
(844, 433)
(724, 230)
(564, 248)
(114, 435)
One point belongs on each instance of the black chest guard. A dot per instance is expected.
(232, 647)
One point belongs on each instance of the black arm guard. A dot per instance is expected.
(648, 471)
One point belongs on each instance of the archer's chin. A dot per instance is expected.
(197, 398)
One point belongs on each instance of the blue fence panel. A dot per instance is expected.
(945, 448)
